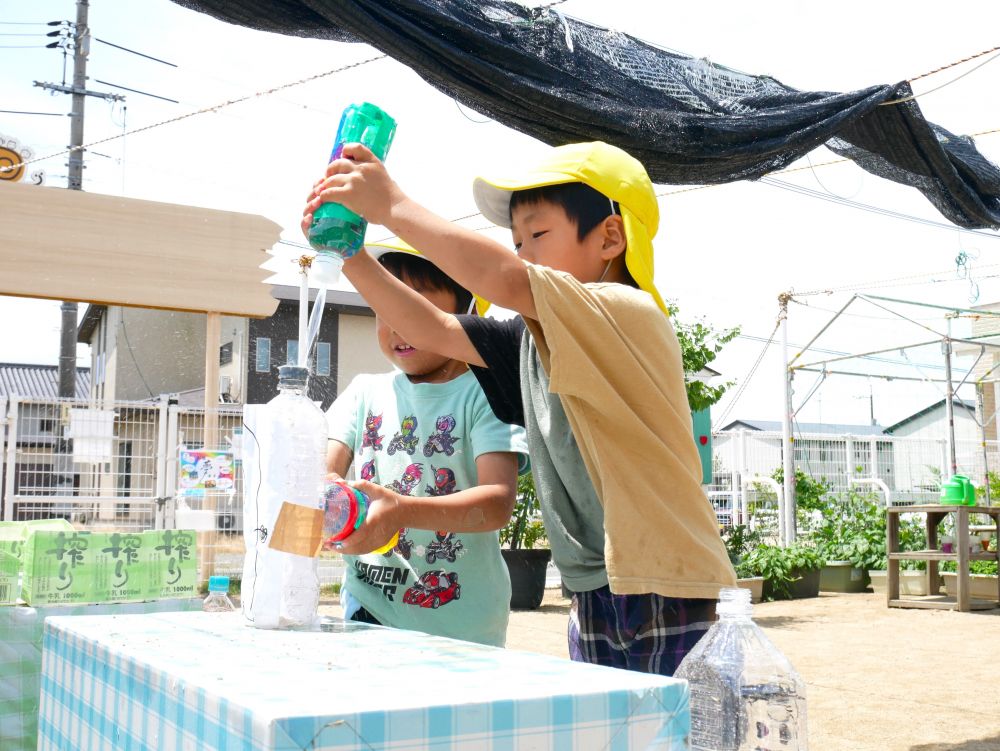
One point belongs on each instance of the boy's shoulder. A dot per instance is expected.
(560, 289)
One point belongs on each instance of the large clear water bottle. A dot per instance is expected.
(745, 695)
(295, 467)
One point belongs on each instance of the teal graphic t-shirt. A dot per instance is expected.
(422, 439)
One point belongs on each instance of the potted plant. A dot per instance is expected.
(526, 563)
(851, 536)
(790, 572)
(739, 541)
(912, 574)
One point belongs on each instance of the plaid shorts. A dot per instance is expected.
(647, 633)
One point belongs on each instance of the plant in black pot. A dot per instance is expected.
(851, 536)
(789, 572)
(526, 563)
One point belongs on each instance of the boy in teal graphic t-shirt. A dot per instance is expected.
(441, 470)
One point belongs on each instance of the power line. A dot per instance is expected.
(24, 112)
(202, 111)
(872, 209)
(135, 91)
(134, 52)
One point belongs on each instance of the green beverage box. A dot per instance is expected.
(172, 563)
(13, 535)
(59, 568)
(10, 572)
(122, 562)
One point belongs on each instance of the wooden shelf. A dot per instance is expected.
(939, 602)
(937, 555)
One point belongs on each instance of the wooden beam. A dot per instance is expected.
(72, 245)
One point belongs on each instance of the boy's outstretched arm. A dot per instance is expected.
(411, 315)
(360, 182)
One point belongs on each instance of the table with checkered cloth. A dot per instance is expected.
(21, 661)
(207, 681)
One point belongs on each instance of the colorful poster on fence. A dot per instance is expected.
(202, 470)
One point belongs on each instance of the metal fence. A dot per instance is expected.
(127, 465)
(902, 471)
(117, 466)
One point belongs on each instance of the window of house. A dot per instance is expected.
(293, 352)
(47, 425)
(263, 355)
(226, 353)
(323, 358)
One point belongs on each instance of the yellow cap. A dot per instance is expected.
(377, 250)
(608, 170)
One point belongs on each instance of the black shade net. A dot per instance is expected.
(689, 121)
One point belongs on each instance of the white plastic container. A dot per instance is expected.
(284, 458)
(745, 695)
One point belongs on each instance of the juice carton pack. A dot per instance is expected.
(172, 569)
(59, 568)
(10, 573)
(121, 561)
(13, 535)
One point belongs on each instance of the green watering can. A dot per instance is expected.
(958, 491)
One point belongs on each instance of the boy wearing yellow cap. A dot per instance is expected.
(593, 370)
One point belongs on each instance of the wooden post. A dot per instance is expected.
(892, 546)
(213, 326)
(931, 520)
(962, 540)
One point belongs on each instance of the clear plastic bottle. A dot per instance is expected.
(745, 695)
(296, 466)
(218, 596)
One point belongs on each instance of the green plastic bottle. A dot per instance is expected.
(337, 232)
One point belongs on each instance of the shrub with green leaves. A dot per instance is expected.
(780, 565)
(525, 529)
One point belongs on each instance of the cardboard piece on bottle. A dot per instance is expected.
(298, 530)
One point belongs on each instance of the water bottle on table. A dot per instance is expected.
(338, 233)
(745, 695)
(218, 596)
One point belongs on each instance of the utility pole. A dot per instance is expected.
(786, 524)
(79, 92)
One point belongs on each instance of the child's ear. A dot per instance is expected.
(613, 230)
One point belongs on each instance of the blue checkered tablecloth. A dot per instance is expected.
(168, 682)
(21, 630)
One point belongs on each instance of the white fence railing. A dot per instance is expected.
(899, 470)
(117, 466)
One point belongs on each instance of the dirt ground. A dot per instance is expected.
(877, 679)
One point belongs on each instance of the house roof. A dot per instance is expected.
(91, 317)
(338, 299)
(38, 381)
(774, 426)
(936, 405)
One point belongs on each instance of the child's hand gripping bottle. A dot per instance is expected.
(338, 233)
(346, 509)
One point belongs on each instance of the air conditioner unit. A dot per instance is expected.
(225, 385)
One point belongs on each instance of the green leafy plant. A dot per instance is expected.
(740, 541)
(810, 493)
(852, 528)
(780, 565)
(525, 529)
(994, 480)
(700, 345)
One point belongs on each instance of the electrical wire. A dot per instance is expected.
(202, 111)
(753, 369)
